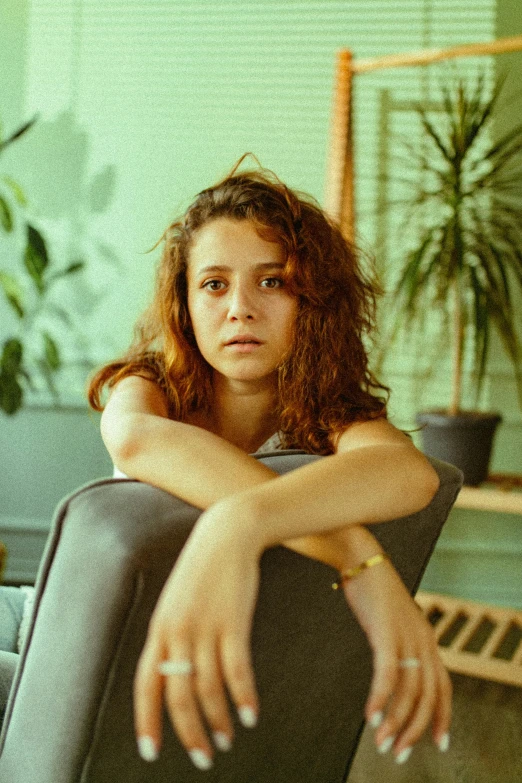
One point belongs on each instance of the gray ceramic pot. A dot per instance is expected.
(464, 440)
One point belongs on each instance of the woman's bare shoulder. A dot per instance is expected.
(372, 432)
(134, 394)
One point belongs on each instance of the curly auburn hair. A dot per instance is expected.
(325, 382)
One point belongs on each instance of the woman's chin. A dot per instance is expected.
(247, 376)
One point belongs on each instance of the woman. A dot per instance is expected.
(256, 332)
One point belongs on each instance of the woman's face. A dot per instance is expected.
(242, 315)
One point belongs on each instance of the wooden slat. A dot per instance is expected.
(490, 500)
(428, 56)
(506, 481)
(482, 664)
(339, 200)
(472, 665)
(517, 658)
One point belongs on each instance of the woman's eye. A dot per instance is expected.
(213, 285)
(273, 282)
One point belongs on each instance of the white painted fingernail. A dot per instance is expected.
(386, 744)
(403, 756)
(222, 740)
(376, 720)
(200, 759)
(444, 743)
(147, 749)
(247, 716)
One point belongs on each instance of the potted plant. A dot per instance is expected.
(31, 352)
(466, 208)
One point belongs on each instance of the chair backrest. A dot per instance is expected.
(112, 545)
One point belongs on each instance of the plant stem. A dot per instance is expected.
(456, 383)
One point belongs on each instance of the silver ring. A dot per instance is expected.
(184, 666)
(409, 663)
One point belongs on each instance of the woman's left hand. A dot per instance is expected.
(204, 616)
(410, 687)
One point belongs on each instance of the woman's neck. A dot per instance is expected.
(244, 414)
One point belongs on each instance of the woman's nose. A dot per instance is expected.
(240, 304)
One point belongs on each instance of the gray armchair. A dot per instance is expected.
(112, 545)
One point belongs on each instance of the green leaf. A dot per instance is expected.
(60, 313)
(13, 292)
(16, 135)
(11, 394)
(36, 259)
(72, 269)
(407, 286)
(16, 190)
(6, 216)
(434, 135)
(504, 142)
(498, 309)
(12, 354)
(77, 266)
(52, 354)
(480, 112)
(481, 327)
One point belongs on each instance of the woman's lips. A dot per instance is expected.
(243, 347)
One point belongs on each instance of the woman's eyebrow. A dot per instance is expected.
(257, 267)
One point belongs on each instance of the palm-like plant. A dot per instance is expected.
(19, 362)
(467, 206)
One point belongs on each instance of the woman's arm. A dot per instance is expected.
(377, 473)
(146, 445)
(187, 461)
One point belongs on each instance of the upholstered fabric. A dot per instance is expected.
(113, 543)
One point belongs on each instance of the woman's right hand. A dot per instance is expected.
(203, 619)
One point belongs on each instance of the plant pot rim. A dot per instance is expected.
(442, 418)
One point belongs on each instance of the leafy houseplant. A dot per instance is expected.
(28, 296)
(466, 203)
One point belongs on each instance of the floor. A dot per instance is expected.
(486, 742)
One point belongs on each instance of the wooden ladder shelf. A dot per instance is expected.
(476, 639)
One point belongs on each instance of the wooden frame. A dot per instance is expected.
(471, 636)
(339, 199)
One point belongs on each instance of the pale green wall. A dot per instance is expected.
(142, 104)
(132, 125)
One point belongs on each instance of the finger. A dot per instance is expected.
(183, 710)
(239, 677)
(417, 720)
(443, 710)
(401, 706)
(212, 698)
(148, 705)
(385, 676)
